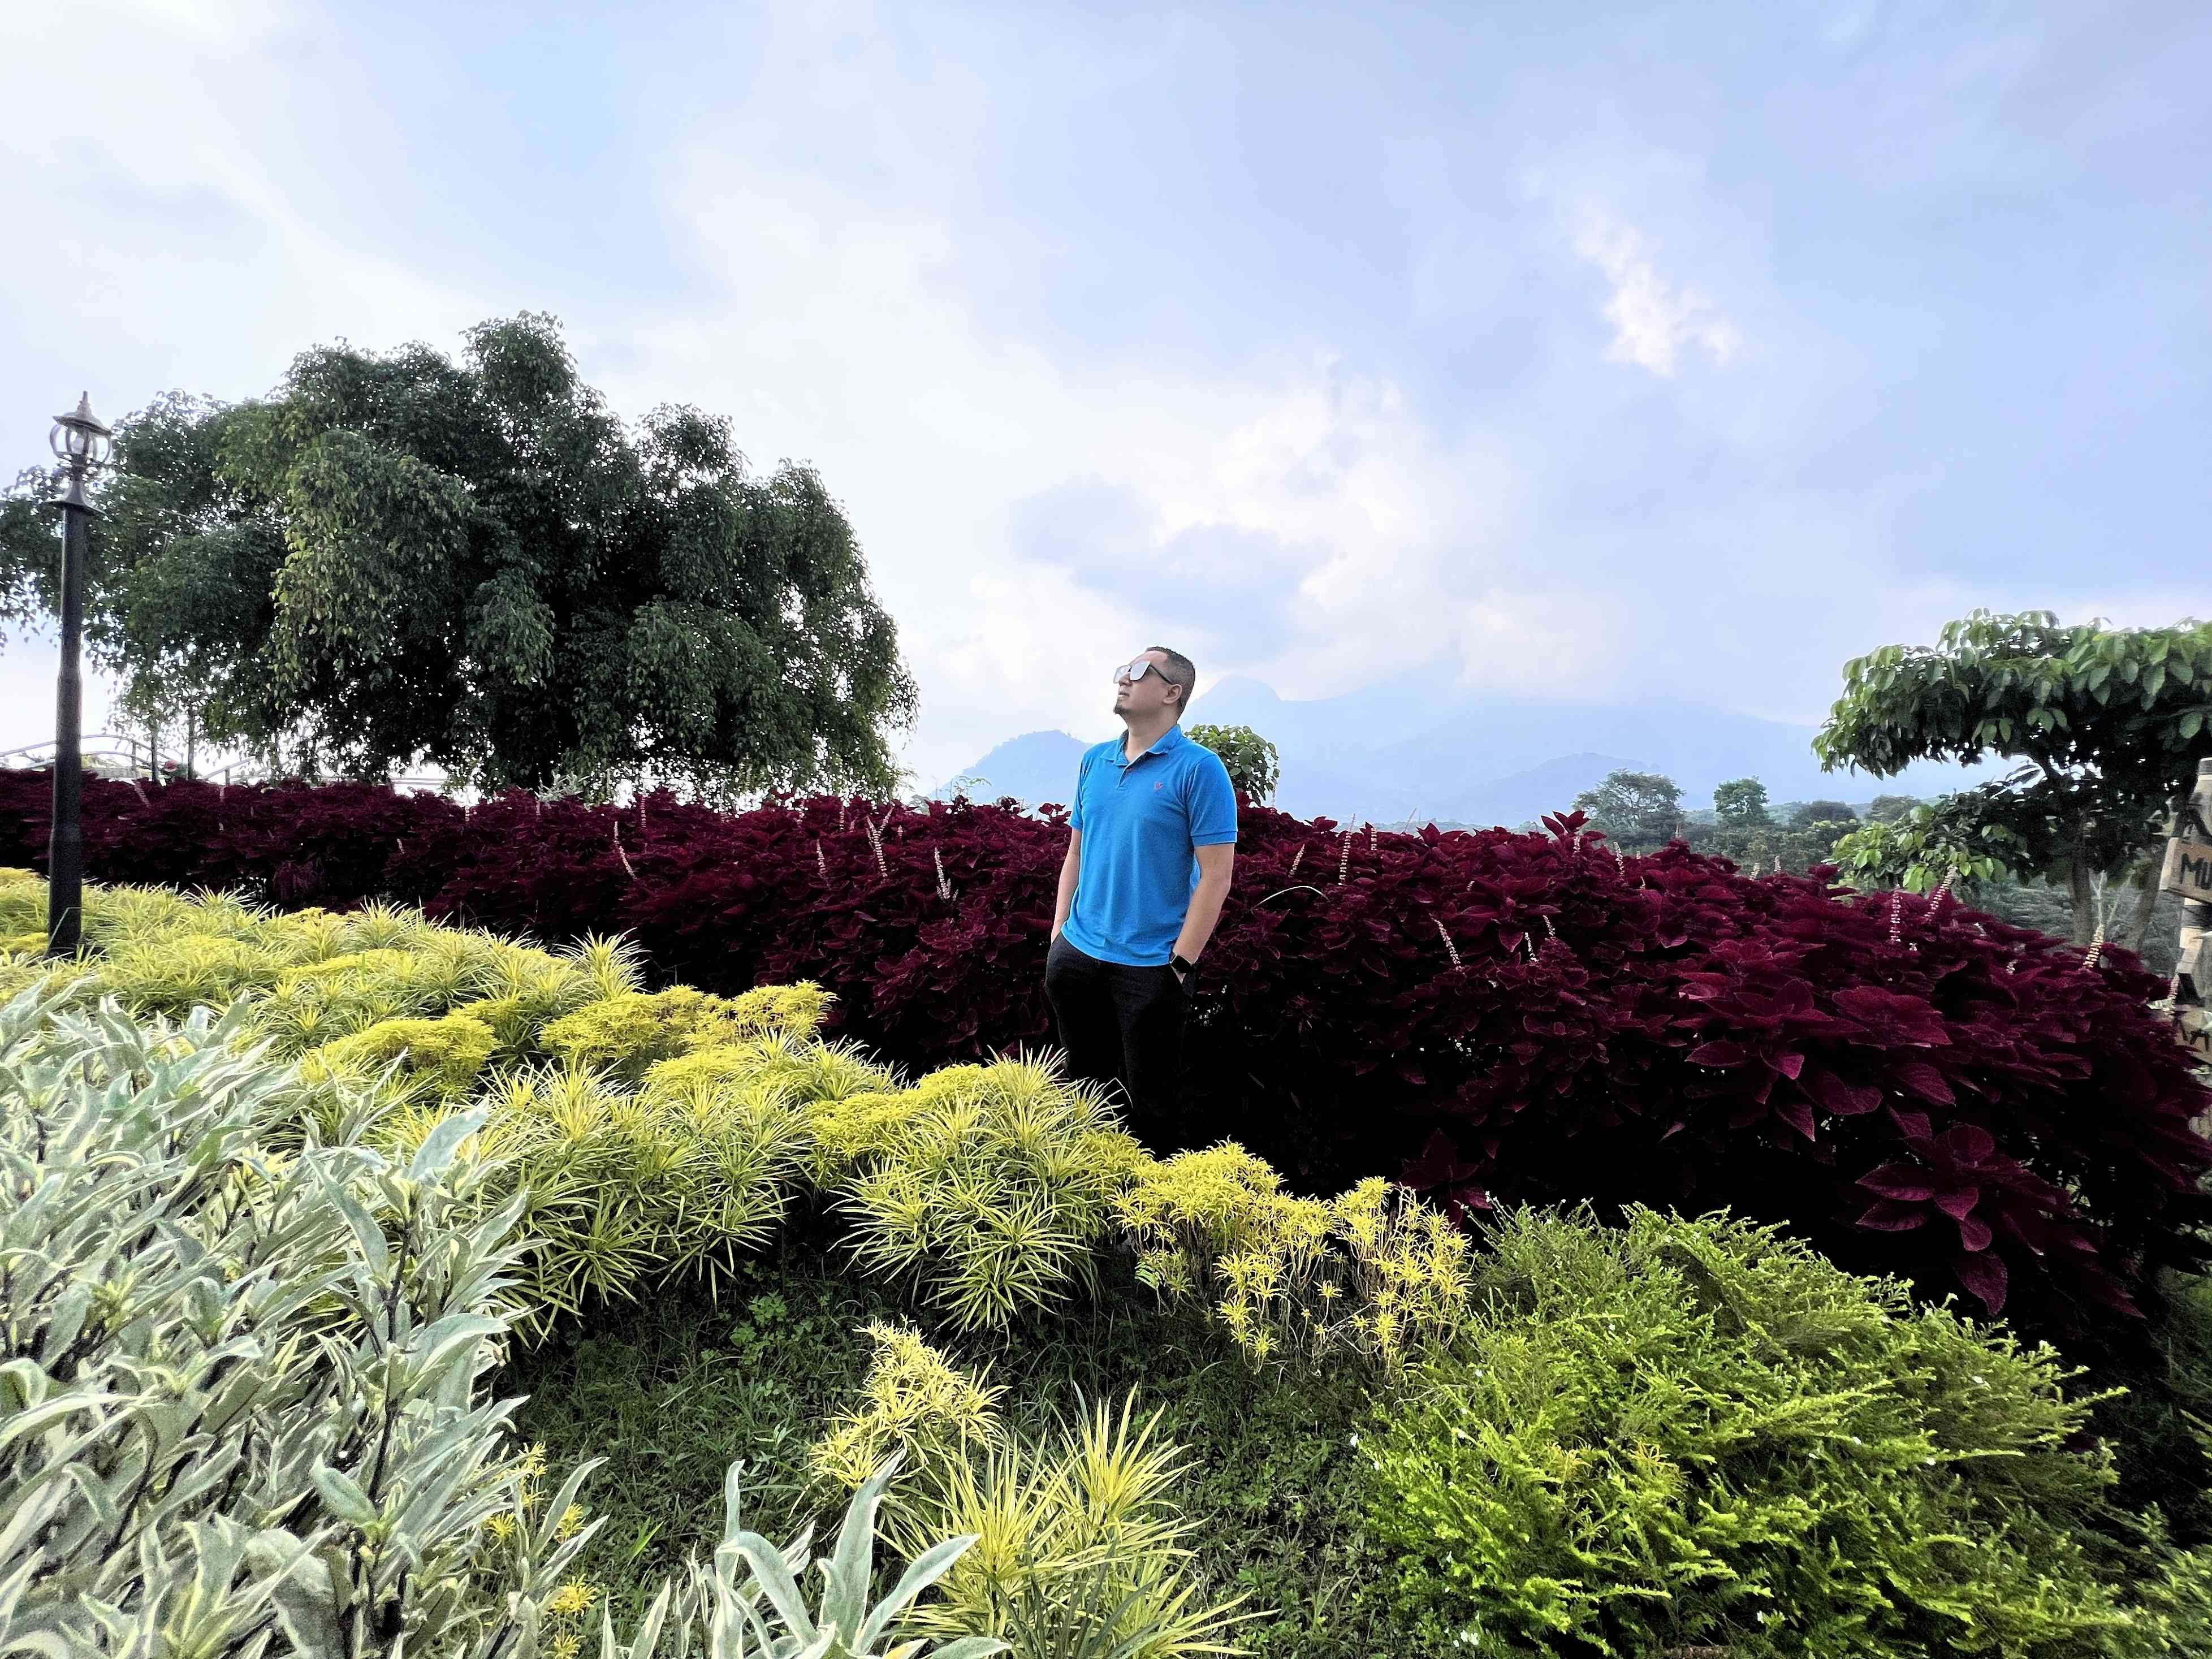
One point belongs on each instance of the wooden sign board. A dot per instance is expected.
(2188, 869)
(2192, 963)
(2192, 1029)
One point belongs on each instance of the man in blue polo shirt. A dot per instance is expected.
(1151, 844)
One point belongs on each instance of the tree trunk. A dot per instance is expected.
(2084, 897)
(2138, 930)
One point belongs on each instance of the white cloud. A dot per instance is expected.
(844, 334)
(1653, 321)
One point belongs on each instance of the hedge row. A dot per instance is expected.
(1921, 1088)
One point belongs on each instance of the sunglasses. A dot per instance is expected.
(1130, 673)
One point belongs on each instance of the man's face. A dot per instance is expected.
(1148, 694)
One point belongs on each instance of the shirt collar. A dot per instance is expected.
(1169, 740)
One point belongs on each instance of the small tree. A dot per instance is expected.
(1254, 764)
(1814, 813)
(1637, 810)
(1888, 809)
(2111, 723)
(1740, 803)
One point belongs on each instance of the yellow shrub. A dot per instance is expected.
(632, 1030)
(983, 1181)
(673, 1136)
(452, 1049)
(913, 1400)
(175, 974)
(1374, 1271)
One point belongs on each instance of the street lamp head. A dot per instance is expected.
(79, 438)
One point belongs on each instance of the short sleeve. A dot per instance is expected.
(1075, 807)
(1212, 803)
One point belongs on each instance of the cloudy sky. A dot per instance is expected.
(1687, 349)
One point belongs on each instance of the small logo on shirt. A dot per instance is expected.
(1156, 788)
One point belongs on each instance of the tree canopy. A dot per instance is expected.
(1254, 764)
(2109, 721)
(1821, 811)
(397, 558)
(1740, 803)
(1637, 810)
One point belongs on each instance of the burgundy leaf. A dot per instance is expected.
(1887, 1216)
(1899, 1180)
(1983, 1274)
(1925, 1081)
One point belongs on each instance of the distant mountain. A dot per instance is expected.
(1402, 751)
(1036, 768)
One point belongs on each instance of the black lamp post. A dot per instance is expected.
(82, 443)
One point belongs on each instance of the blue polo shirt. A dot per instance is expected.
(1142, 821)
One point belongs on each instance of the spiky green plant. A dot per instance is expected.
(1077, 1532)
(990, 1184)
(912, 1401)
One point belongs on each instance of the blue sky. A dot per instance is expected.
(1665, 349)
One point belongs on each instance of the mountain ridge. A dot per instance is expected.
(1478, 758)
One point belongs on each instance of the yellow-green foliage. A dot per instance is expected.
(992, 1184)
(669, 1129)
(626, 1188)
(1078, 1534)
(632, 1030)
(1691, 1432)
(450, 1049)
(915, 1400)
(1373, 1271)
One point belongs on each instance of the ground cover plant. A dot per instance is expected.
(1922, 1088)
(1252, 1321)
(1702, 1433)
(651, 1137)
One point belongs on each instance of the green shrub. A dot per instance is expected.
(1253, 762)
(1688, 1432)
(239, 1389)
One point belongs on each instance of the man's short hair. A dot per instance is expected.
(1178, 670)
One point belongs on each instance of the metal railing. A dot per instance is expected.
(119, 751)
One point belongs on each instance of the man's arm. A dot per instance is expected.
(1070, 867)
(1215, 865)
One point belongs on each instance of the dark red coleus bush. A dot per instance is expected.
(1921, 1088)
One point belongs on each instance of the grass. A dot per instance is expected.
(673, 1389)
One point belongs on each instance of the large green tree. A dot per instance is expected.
(398, 558)
(2110, 724)
(1740, 803)
(1639, 811)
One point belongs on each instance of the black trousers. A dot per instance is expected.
(1123, 1026)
